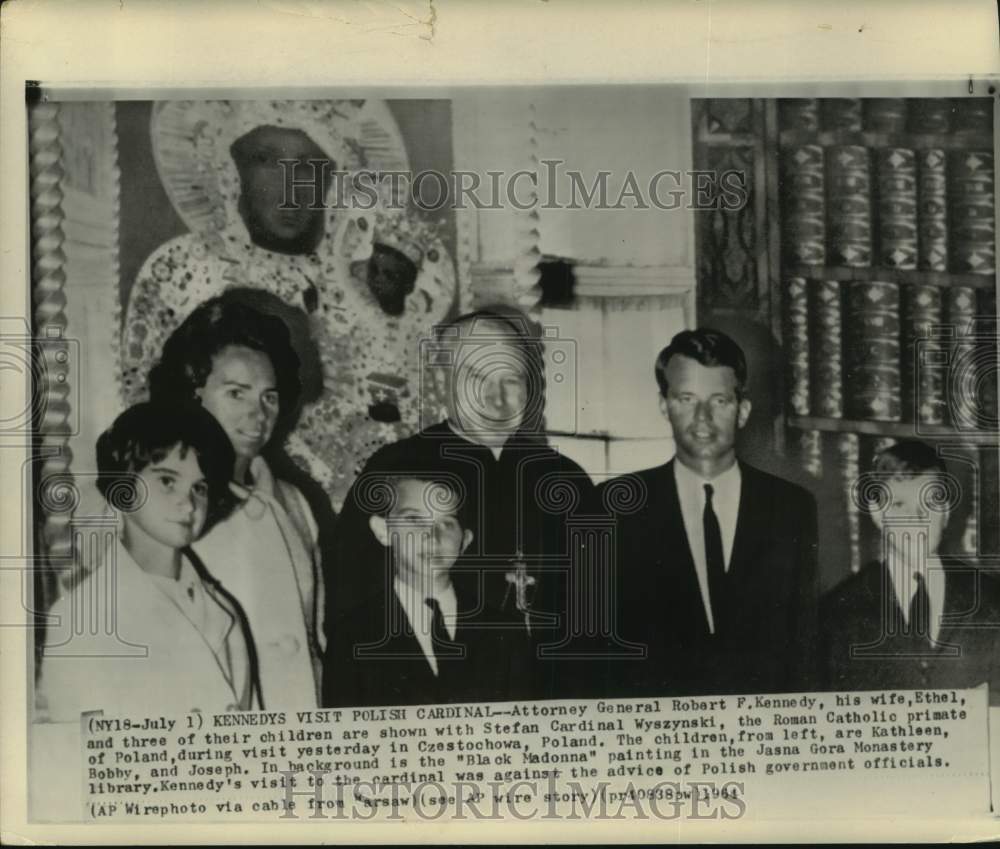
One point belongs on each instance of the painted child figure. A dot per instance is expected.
(150, 629)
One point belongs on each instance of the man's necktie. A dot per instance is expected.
(919, 622)
(715, 560)
(445, 648)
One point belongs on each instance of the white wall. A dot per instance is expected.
(633, 267)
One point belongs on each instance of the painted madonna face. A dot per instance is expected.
(266, 187)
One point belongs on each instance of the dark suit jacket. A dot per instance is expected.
(374, 657)
(523, 503)
(862, 613)
(766, 643)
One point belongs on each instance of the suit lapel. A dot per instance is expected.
(673, 535)
(750, 519)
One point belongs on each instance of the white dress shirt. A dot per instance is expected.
(421, 617)
(904, 583)
(725, 503)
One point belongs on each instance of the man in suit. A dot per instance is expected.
(425, 638)
(486, 367)
(716, 572)
(911, 620)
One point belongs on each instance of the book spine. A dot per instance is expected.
(799, 114)
(804, 198)
(973, 114)
(970, 536)
(808, 444)
(897, 208)
(930, 115)
(988, 401)
(924, 362)
(841, 114)
(964, 359)
(932, 214)
(972, 216)
(828, 370)
(849, 217)
(885, 114)
(849, 458)
(796, 320)
(874, 380)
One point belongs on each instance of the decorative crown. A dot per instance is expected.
(408, 233)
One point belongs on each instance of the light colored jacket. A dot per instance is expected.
(265, 555)
(118, 642)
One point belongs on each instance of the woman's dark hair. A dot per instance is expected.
(147, 433)
(228, 319)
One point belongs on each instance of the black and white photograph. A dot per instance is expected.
(545, 450)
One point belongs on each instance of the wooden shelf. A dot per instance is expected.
(959, 140)
(900, 430)
(727, 139)
(892, 275)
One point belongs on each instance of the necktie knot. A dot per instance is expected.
(709, 492)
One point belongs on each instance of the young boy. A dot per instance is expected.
(149, 630)
(422, 633)
(911, 621)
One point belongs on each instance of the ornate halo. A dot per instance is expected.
(191, 142)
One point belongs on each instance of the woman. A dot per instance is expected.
(239, 363)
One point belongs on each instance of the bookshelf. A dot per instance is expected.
(894, 430)
(893, 275)
(887, 262)
(957, 140)
(866, 253)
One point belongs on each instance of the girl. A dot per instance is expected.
(150, 630)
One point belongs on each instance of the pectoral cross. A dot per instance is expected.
(519, 580)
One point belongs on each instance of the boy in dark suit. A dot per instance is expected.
(910, 620)
(424, 634)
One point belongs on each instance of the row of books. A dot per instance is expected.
(892, 207)
(881, 351)
(918, 116)
(900, 184)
